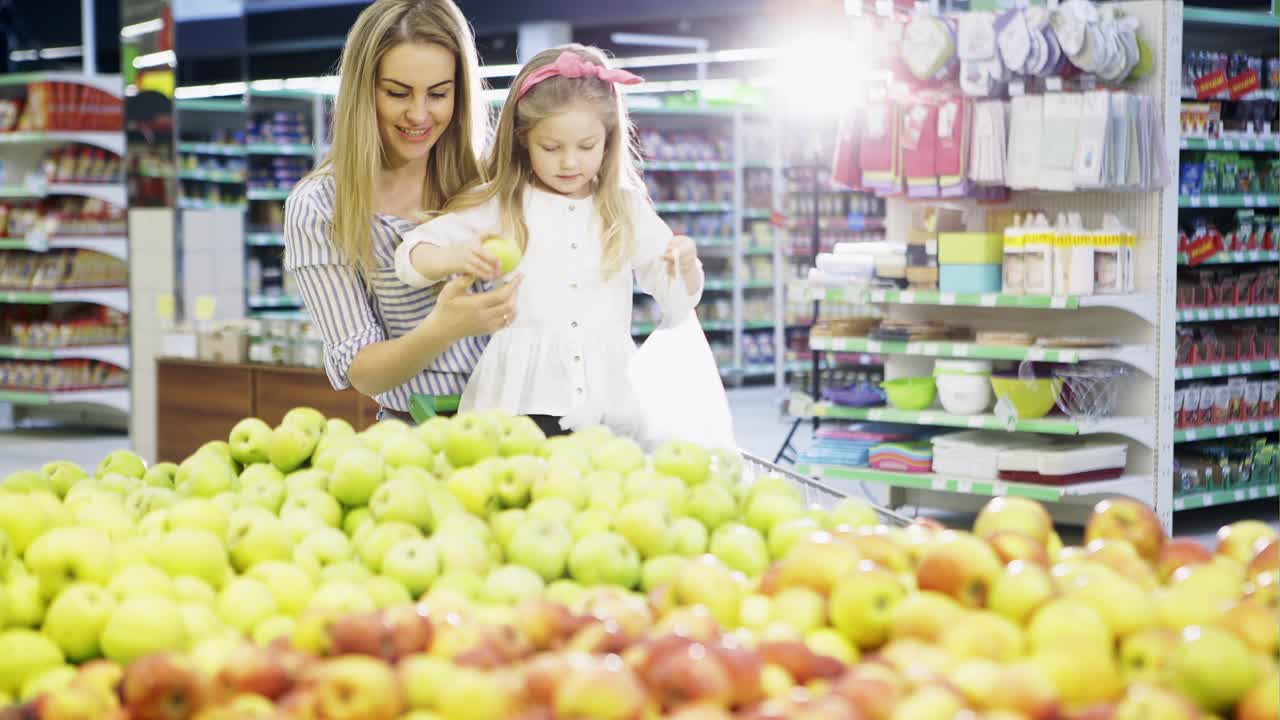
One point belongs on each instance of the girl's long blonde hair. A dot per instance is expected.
(357, 155)
(509, 169)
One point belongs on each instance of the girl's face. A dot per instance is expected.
(415, 93)
(567, 149)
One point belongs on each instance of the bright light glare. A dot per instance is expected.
(818, 74)
(142, 28)
(155, 59)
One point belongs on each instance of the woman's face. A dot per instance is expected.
(415, 92)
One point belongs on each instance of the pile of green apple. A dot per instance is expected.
(472, 568)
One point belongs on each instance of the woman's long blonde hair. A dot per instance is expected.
(509, 170)
(357, 155)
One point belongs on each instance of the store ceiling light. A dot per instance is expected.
(143, 28)
(155, 59)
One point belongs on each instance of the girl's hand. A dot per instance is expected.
(681, 250)
(466, 314)
(472, 259)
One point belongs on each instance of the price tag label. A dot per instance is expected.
(1219, 314)
(947, 298)
(164, 306)
(987, 300)
(1228, 145)
(873, 346)
(1213, 201)
(1220, 431)
(960, 350)
(964, 485)
(1206, 500)
(927, 418)
(1253, 428)
(906, 297)
(930, 349)
(1195, 201)
(1239, 495)
(1233, 369)
(1058, 302)
(1192, 435)
(977, 422)
(938, 484)
(1253, 493)
(206, 306)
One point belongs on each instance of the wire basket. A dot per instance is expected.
(1090, 390)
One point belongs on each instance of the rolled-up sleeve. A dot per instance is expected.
(447, 230)
(332, 291)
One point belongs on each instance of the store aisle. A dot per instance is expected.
(28, 449)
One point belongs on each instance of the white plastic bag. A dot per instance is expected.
(678, 387)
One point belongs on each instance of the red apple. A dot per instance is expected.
(1127, 519)
(961, 566)
(800, 661)
(1253, 623)
(1244, 539)
(687, 674)
(1143, 701)
(162, 686)
(745, 671)
(872, 687)
(253, 669)
(1179, 552)
(1124, 558)
(1012, 545)
(877, 545)
(70, 703)
(354, 687)
(599, 689)
(1264, 589)
(1014, 514)
(1267, 558)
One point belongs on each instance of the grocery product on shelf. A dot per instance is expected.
(278, 128)
(278, 173)
(81, 164)
(20, 270)
(60, 375)
(1231, 465)
(61, 326)
(61, 105)
(1238, 399)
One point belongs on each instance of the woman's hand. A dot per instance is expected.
(465, 314)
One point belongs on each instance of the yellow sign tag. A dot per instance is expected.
(205, 305)
(164, 306)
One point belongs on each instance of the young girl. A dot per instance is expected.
(565, 187)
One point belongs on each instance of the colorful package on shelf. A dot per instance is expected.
(1061, 462)
(55, 105)
(1225, 465)
(918, 142)
(911, 457)
(45, 376)
(878, 149)
(81, 164)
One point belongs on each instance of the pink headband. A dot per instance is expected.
(571, 65)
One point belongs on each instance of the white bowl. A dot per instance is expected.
(964, 394)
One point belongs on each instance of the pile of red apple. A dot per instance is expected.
(471, 568)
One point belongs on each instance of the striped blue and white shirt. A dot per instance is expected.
(350, 313)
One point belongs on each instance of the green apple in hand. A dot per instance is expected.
(605, 559)
(143, 625)
(404, 500)
(414, 563)
(250, 441)
(76, 618)
(685, 460)
(542, 546)
(69, 554)
(356, 475)
(505, 251)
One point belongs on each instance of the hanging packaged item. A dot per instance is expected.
(919, 138)
(981, 72)
(929, 46)
(1089, 170)
(952, 157)
(1023, 171)
(878, 149)
(989, 142)
(1059, 130)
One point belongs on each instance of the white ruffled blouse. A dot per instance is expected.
(567, 350)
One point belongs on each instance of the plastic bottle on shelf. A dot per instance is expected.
(1014, 269)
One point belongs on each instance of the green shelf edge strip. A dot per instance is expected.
(928, 481)
(1229, 201)
(1194, 500)
(268, 239)
(692, 207)
(268, 194)
(934, 297)
(1219, 16)
(942, 349)
(943, 419)
(1229, 144)
(1249, 312)
(211, 149)
(212, 176)
(1238, 257)
(281, 149)
(1236, 429)
(1195, 372)
(687, 165)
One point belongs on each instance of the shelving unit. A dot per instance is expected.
(24, 153)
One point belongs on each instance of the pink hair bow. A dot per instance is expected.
(571, 65)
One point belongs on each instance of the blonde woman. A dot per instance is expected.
(563, 182)
(406, 126)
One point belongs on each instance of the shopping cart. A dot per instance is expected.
(815, 492)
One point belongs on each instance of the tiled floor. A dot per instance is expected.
(758, 424)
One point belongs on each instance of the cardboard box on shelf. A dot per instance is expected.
(227, 344)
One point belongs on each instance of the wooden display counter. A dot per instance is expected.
(201, 401)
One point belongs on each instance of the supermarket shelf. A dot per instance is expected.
(116, 298)
(274, 301)
(117, 355)
(107, 192)
(188, 203)
(1228, 313)
(1142, 357)
(1237, 257)
(1268, 144)
(1194, 372)
(1238, 18)
(1224, 497)
(713, 243)
(1213, 432)
(1144, 306)
(757, 324)
(20, 191)
(644, 328)
(1137, 428)
(1229, 201)
(110, 84)
(196, 148)
(1132, 485)
(107, 140)
(675, 207)
(688, 165)
(114, 245)
(218, 176)
(758, 251)
(268, 194)
(202, 105)
(300, 314)
(279, 149)
(117, 398)
(264, 239)
(757, 214)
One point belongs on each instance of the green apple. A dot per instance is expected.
(741, 548)
(342, 595)
(520, 436)
(1212, 667)
(800, 607)
(120, 485)
(22, 520)
(337, 427)
(787, 533)
(565, 592)
(621, 455)
(49, 681)
(322, 547)
(255, 539)
(305, 479)
(260, 473)
(688, 537)
(62, 475)
(766, 510)
(291, 587)
(356, 475)
(264, 495)
(543, 546)
(709, 582)
(198, 514)
(24, 606)
(111, 518)
(376, 436)
(200, 622)
(403, 500)
(562, 479)
(145, 499)
(504, 523)
(386, 592)
(314, 502)
(605, 559)
(443, 504)
(414, 563)
(469, 439)
(605, 491)
(141, 580)
(685, 460)
(462, 582)
(217, 447)
(21, 481)
(122, 462)
(76, 617)
(589, 522)
(344, 570)
(407, 450)
(301, 523)
(290, 447)
(245, 602)
(24, 654)
(203, 475)
(250, 441)
(373, 547)
(462, 552)
(645, 524)
(475, 489)
(432, 432)
(421, 476)
(660, 571)
(511, 584)
(421, 676)
(553, 508)
(191, 589)
(329, 449)
(649, 483)
(69, 554)
(143, 625)
(306, 418)
(162, 475)
(507, 253)
(357, 518)
(853, 512)
(274, 627)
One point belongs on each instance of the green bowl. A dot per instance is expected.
(912, 393)
(1033, 399)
